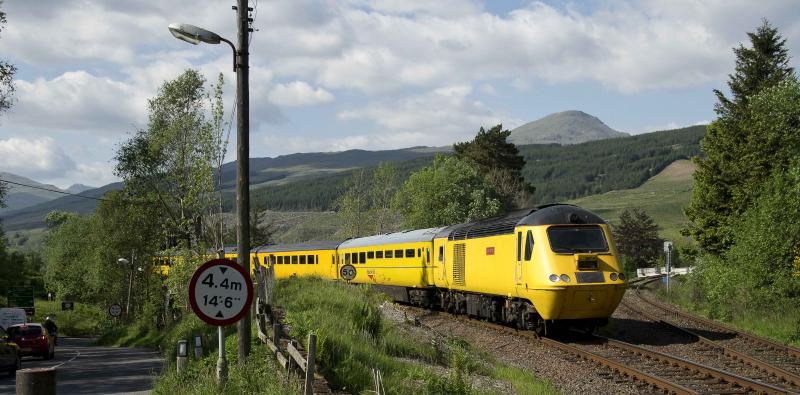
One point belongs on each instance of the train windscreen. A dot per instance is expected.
(575, 239)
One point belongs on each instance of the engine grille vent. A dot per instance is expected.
(590, 277)
(459, 256)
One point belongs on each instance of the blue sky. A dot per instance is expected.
(369, 74)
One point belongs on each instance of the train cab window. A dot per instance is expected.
(410, 253)
(388, 254)
(311, 259)
(379, 254)
(302, 259)
(280, 260)
(528, 246)
(370, 254)
(398, 253)
(347, 258)
(362, 257)
(441, 253)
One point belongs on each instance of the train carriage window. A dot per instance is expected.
(379, 254)
(294, 259)
(302, 259)
(355, 258)
(528, 246)
(410, 253)
(362, 256)
(370, 254)
(311, 259)
(398, 253)
(280, 260)
(427, 255)
(272, 259)
(419, 252)
(441, 253)
(388, 254)
(347, 258)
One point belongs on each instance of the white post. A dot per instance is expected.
(222, 364)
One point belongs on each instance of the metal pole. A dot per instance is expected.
(222, 363)
(243, 164)
(130, 285)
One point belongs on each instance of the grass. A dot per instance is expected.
(353, 338)
(86, 320)
(781, 324)
(663, 197)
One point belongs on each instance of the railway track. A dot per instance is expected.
(757, 351)
(650, 370)
(763, 370)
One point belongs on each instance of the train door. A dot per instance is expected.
(334, 270)
(518, 264)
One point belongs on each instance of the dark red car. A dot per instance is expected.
(32, 339)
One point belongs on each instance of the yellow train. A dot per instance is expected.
(534, 268)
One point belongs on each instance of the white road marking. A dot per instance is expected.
(77, 354)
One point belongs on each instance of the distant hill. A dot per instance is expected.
(78, 188)
(567, 127)
(20, 196)
(663, 197)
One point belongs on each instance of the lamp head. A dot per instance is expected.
(193, 34)
(122, 261)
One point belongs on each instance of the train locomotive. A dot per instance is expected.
(537, 268)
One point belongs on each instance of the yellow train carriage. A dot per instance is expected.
(305, 259)
(395, 259)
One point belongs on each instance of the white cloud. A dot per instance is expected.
(298, 93)
(39, 158)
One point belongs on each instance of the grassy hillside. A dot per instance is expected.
(663, 197)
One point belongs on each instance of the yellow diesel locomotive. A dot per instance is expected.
(533, 268)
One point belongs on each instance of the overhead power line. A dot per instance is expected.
(52, 190)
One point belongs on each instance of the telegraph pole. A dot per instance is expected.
(243, 161)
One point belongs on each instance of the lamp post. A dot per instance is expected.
(125, 262)
(195, 35)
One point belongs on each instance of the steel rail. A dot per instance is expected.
(628, 371)
(758, 363)
(794, 352)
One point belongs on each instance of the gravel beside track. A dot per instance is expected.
(567, 373)
(785, 358)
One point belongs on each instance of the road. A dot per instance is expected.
(85, 369)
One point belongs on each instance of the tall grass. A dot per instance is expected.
(86, 320)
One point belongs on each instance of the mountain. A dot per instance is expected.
(567, 127)
(22, 196)
(78, 188)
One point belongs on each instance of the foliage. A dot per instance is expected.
(7, 71)
(17, 268)
(365, 205)
(353, 205)
(448, 192)
(636, 237)
(172, 162)
(755, 125)
(85, 320)
(500, 161)
(385, 183)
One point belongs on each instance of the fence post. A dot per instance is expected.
(312, 349)
(276, 334)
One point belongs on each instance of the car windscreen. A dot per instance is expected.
(25, 330)
(574, 239)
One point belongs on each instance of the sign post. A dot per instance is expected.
(115, 311)
(220, 293)
(668, 266)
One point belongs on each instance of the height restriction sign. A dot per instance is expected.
(220, 292)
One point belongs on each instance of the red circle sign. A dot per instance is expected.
(220, 292)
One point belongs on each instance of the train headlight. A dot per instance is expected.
(554, 278)
(613, 276)
(565, 278)
(622, 276)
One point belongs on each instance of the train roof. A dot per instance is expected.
(408, 236)
(308, 246)
(551, 214)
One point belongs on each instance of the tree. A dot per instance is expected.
(7, 71)
(449, 191)
(353, 206)
(499, 161)
(725, 182)
(637, 238)
(172, 162)
(385, 183)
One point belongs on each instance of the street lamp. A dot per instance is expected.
(125, 262)
(195, 35)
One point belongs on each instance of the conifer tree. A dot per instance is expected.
(636, 237)
(724, 185)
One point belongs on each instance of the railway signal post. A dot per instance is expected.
(668, 266)
(220, 293)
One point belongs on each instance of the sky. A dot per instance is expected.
(364, 74)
